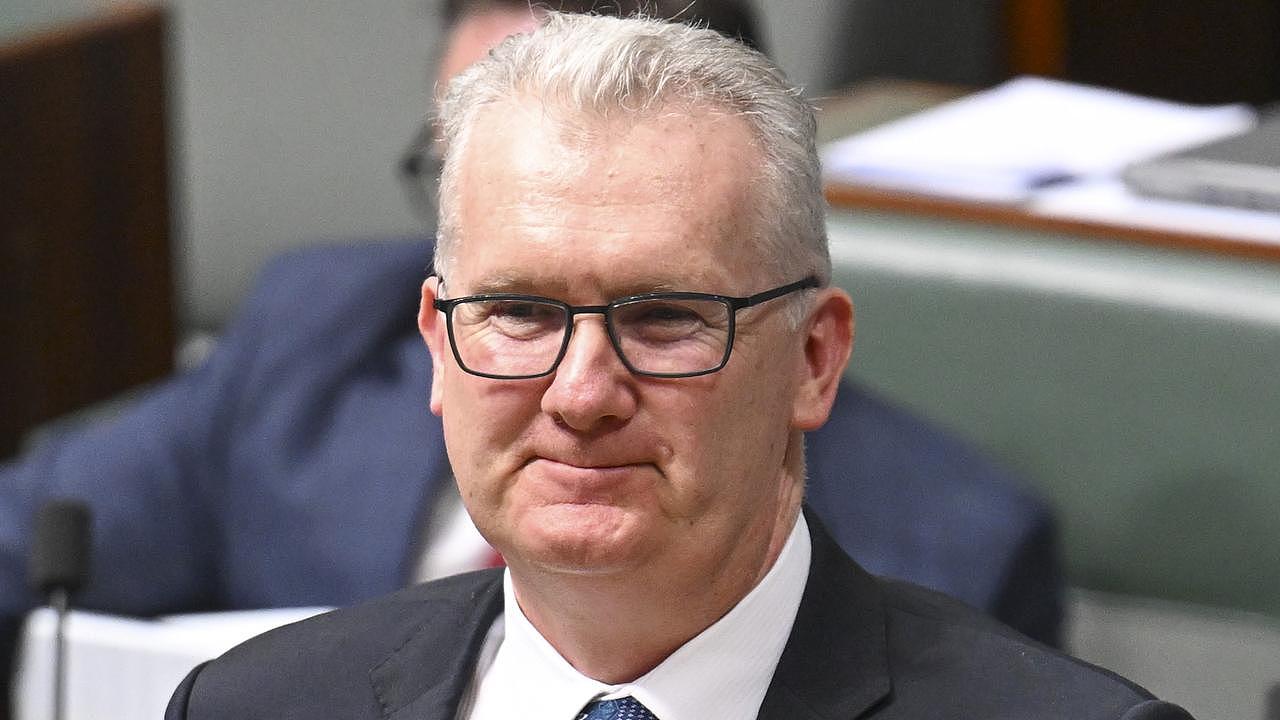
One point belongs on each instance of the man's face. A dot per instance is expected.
(593, 469)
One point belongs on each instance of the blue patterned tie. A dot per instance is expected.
(627, 708)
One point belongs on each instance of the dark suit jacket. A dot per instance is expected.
(296, 467)
(860, 647)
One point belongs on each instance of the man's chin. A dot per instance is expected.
(582, 539)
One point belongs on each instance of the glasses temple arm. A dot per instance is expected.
(751, 300)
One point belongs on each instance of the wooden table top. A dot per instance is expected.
(873, 103)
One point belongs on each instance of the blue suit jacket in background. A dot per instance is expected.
(298, 464)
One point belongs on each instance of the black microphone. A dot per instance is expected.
(59, 567)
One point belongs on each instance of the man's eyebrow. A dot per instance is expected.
(656, 287)
(556, 287)
(513, 284)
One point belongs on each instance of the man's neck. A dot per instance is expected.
(616, 629)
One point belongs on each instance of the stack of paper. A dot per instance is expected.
(125, 668)
(1005, 144)
(1109, 201)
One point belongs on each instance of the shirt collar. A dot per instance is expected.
(720, 674)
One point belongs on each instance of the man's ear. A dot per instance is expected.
(431, 325)
(827, 345)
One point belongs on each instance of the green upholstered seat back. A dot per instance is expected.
(1138, 388)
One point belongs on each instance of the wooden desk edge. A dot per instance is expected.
(852, 197)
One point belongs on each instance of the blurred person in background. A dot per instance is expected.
(299, 465)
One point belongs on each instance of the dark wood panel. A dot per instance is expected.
(1036, 37)
(1200, 51)
(1196, 50)
(85, 265)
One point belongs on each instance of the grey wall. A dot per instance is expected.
(799, 34)
(827, 44)
(289, 118)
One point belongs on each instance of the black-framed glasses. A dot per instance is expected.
(507, 336)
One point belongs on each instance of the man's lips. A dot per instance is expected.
(586, 466)
(589, 464)
(579, 476)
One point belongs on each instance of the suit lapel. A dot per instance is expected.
(424, 679)
(835, 664)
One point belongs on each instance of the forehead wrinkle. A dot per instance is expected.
(584, 143)
(571, 146)
(572, 203)
(669, 174)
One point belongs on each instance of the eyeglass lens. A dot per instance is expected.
(661, 336)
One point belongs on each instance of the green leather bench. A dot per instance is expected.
(1137, 388)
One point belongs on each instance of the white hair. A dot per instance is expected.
(588, 68)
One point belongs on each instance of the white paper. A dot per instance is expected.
(121, 668)
(1109, 201)
(1006, 143)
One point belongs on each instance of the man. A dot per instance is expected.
(297, 466)
(631, 330)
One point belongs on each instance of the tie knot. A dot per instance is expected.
(627, 708)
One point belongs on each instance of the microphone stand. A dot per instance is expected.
(59, 600)
(59, 566)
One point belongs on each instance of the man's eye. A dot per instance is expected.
(667, 314)
(513, 310)
(521, 319)
(664, 322)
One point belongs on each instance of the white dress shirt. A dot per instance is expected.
(720, 674)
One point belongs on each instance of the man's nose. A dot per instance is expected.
(591, 387)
